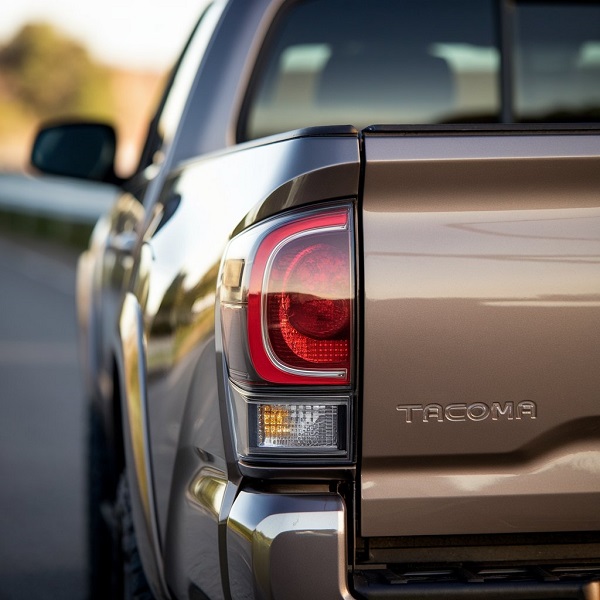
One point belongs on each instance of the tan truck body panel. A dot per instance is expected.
(481, 371)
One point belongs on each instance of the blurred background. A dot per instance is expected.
(102, 60)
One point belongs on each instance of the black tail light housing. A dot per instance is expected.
(287, 302)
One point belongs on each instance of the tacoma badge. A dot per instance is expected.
(477, 411)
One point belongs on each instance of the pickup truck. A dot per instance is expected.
(341, 330)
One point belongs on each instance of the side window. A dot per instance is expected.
(361, 63)
(557, 61)
(165, 124)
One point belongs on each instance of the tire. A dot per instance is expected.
(135, 585)
(114, 565)
(100, 497)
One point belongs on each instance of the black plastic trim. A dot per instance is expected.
(488, 129)
(462, 582)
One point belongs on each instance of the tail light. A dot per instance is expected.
(287, 312)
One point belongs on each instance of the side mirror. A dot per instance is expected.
(80, 150)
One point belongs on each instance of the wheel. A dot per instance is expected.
(115, 569)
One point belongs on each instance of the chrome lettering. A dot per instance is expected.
(526, 409)
(408, 411)
(477, 411)
(506, 411)
(456, 412)
(433, 412)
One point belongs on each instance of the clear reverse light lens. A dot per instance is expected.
(296, 426)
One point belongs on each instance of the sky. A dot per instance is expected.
(141, 34)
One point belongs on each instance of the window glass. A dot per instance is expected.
(185, 75)
(557, 61)
(378, 61)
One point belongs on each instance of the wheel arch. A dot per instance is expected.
(131, 411)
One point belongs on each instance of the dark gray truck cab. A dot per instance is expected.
(355, 361)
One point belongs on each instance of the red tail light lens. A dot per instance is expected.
(308, 308)
(312, 302)
(300, 302)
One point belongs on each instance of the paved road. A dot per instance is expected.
(41, 427)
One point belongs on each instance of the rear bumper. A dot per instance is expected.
(294, 546)
(287, 546)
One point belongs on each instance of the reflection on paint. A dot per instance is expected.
(209, 490)
(584, 462)
(547, 256)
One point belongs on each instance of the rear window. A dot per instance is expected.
(557, 61)
(364, 62)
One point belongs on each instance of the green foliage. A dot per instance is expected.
(53, 76)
